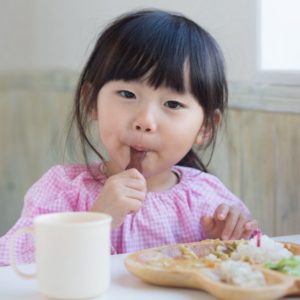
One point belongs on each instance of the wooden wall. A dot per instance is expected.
(256, 156)
(259, 160)
(32, 128)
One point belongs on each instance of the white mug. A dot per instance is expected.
(72, 254)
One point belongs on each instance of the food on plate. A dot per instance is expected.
(210, 253)
(240, 273)
(269, 250)
(245, 250)
(289, 265)
(242, 269)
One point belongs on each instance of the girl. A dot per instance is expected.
(155, 86)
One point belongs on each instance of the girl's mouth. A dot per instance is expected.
(137, 155)
(139, 148)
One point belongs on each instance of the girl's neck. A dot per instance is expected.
(162, 182)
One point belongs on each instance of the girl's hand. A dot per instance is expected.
(228, 223)
(122, 194)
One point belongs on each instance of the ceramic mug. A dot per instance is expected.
(72, 254)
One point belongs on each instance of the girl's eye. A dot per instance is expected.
(126, 94)
(173, 104)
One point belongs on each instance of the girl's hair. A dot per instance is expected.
(157, 46)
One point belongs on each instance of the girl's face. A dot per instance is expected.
(160, 122)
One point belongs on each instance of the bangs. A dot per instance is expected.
(160, 48)
(155, 52)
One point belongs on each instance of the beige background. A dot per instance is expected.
(44, 45)
(59, 34)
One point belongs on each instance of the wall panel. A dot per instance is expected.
(257, 154)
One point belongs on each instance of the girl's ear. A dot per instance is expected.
(86, 91)
(205, 132)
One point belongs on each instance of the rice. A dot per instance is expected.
(240, 274)
(269, 250)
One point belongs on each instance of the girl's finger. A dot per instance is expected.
(249, 229)
(135, 184)
(221, 212)
(239, 228)
(247, 234)
(133, 206)
(133, 194)
(208, 224)
(230, 223)
(133, 173)
(251, 225)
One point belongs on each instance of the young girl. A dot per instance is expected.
(155, 87)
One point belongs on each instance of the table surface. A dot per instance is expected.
(123, 284)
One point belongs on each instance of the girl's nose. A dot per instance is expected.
(145, 122)
(140, 128)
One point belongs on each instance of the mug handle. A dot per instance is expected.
(12, 253)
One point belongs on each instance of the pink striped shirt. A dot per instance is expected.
(166, 217)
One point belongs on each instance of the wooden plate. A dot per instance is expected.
(167, 266)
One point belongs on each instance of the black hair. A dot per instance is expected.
(156, 44)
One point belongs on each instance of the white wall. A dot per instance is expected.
(58, 34)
